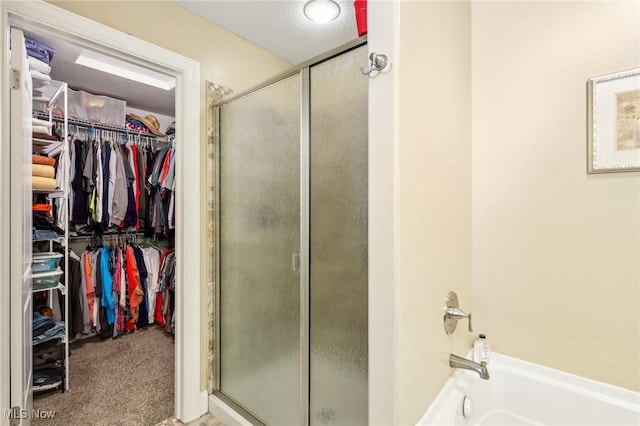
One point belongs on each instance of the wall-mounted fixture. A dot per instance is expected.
(452, 314)
(376, 63)
(321, 11)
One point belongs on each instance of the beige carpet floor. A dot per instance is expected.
(127, 381)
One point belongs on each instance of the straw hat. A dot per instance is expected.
(151, 122)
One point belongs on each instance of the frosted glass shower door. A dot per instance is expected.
(259, 211)
(338, 237)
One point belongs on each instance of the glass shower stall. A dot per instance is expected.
(290, 258)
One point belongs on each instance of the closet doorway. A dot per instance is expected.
(43, 19)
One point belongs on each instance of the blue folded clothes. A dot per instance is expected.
(41, 323)
(55, 332)
(39, 50)
(46, 376)
(45, 234)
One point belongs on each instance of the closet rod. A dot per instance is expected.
(106, 234)
(84, 123)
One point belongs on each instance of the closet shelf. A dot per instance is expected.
(60, 287)
(46, 274)
(123, 233)
(59, 240)
(50, 193)
(42, 388)
(85, 123)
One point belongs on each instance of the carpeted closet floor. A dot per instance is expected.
(124, 381)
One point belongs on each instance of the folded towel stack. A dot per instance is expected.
(40, 57)
(43, 173)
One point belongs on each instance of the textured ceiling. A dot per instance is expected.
(137, 95)
(278, 26)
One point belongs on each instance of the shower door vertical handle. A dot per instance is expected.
(295, 262)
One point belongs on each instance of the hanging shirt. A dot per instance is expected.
(79, 209)
(152, 261)
(89, 283)
(135, 290)
(131, 216)
(142, 207)
(113, 160)
(72, 175)
(106, 160)
(136, 184)
(89, 182)
(83, 294)
(143, 309)
(120, 202)
(94, 279)
(99, 184)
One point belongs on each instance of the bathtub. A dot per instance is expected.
(522, 393)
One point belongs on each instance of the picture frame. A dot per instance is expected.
(614, 122)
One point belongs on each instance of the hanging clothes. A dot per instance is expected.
(114, 289)
(110, 186)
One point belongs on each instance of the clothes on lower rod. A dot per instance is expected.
(119, 288)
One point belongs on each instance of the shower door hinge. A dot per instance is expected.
(15, 79)
(295, 262)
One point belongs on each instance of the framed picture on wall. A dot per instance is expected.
(614, 122)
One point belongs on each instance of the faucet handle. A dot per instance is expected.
(456, 314)
(452, 313)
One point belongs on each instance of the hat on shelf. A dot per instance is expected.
(151, 122)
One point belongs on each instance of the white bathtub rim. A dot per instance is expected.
(601, 391)
(450, 396)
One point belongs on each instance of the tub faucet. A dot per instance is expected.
(456, 361)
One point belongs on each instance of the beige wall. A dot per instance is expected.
(433, 195)
(556, 252)
(224, 59)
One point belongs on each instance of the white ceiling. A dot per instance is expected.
(278, 26)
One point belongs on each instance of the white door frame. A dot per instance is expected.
(190, 396)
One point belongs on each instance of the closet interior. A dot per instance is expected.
(103, 180)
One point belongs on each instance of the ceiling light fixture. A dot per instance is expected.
(124, 69)
(321, 11)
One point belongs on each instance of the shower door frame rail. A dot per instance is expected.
(303, 70)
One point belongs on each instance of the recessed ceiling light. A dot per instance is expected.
(321, 11)
(124, 69)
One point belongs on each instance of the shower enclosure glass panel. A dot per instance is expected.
(259, 211)
(338, 241)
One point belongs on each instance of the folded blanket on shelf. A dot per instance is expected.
(41, 159)
(37, 75)
(41, 129)
(41, 207)
(44, 135)
(39, 50)
(38, 122)
(43, 170)
(38, 65)
(43, 183)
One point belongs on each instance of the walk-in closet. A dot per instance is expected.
(99, 233)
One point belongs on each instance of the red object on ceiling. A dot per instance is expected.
(361, 16)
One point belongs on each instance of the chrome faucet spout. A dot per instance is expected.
(456, 361)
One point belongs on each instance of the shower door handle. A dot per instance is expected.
(295, 262)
